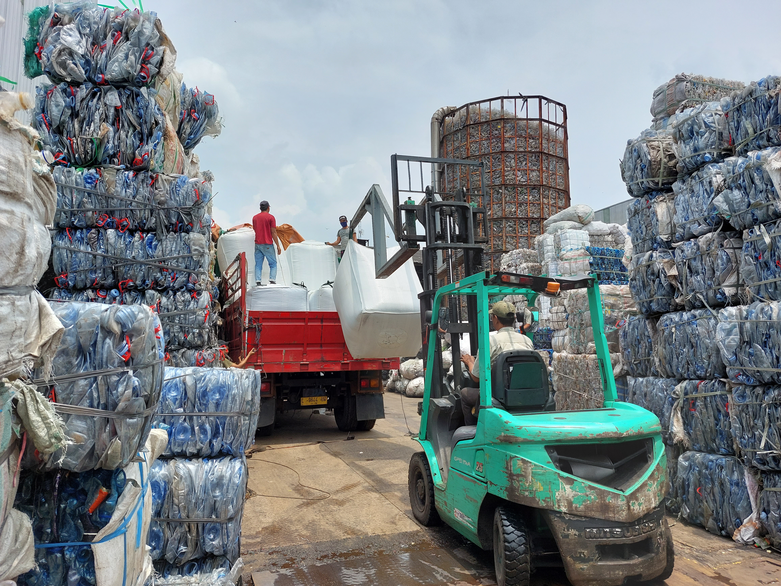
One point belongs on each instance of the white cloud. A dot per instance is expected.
(210, 77)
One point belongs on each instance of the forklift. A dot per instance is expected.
(583, 490)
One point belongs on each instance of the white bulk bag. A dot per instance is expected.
(380, 317)
(241, 240)
(311, 264)
(277, 298)
(322, 299)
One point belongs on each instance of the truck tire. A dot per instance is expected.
(421, 491)
(265, 431)
(345, 413)
(366, 424)
(511, 544)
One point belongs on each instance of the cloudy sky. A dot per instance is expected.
(316, 96)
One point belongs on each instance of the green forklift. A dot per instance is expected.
(583, 490)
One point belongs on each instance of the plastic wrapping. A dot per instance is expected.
(522, 261)
(196, 508)
(106, 259)
(749, 338)
(695, 213)
(546, 248)
(211, 571)
(570, 241)
(700, 137)
(760, 261)
(106, 382)
(560, 340)
(209, 412)
(85, 42)
(709, 271)
(578, 382)
(580, 213)
(753, 115)
(87, 126)
(685, 345)
(574, 262)
(656, 395)
(649, 163)
(637, 349)
(756, 414)
(199, 117)
(126, 200)
(686, 90)
(770, 508)
(617, 307)
(750, 193)
(704, 407)
(277, 298)
(558, 317)
(599, 234)
(608, 265)
(651, 288)
(713, 492)
(650, 222)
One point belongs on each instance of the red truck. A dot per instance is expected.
(304, 359)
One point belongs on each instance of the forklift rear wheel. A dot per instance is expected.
(512, 557)
(421, 491)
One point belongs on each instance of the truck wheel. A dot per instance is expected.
(345, 413)
(668, 569)
(512, 556)
(265, 431)
(366, 424)
(421, 491)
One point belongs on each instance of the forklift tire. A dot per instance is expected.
(511, 544)
(365, 425)
(421, 491)
(345, 413)
(668, 569)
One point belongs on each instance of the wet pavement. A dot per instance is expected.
(329, 508)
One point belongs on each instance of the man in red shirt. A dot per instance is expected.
(265, 226)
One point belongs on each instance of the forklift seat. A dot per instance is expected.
(519, 382)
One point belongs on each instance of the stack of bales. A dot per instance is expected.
(133, 209)
(409, 379)
(198, 486)
(705, 356)
(29, 331)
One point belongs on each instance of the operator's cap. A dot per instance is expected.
(502, 309)
(342, 218)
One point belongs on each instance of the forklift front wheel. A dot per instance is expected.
(421, 491)
(668, 569)
(512, 556)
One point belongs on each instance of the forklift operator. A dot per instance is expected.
(502, 320)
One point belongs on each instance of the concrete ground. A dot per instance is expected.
(328, 508)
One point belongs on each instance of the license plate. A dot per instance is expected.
(306, 401)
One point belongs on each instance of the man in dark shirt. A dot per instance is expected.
(265, 226)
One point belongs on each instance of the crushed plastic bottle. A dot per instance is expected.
(110, 358)
(196, 508)
(231, 396)
(685, 345)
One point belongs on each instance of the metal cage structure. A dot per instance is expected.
(522, 142)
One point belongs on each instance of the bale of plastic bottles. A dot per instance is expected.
(709, 270)
(84, 42)
(126, 200)
(687, 91)
(211, 571)
(685, 345)
(649, 163)
(760, 263)
(608, 265)
(695, 213)
(635, 341)
(650, 221)
(656, 395)
(770, 508)
(199, 116)
(577, 380)
(714, 492)
(197, 507)
(209, 412)
(704, 406)
(617, 306)
(749, 338)
(754, 119)
(543, 338)
(750, 195)
(653, 291)
(111, 258)
(756, 414)
(106, 379)
(700, 137)
(88, 126)
(522, 261)
(202, 357)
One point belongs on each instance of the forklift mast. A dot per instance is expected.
(451, 209)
